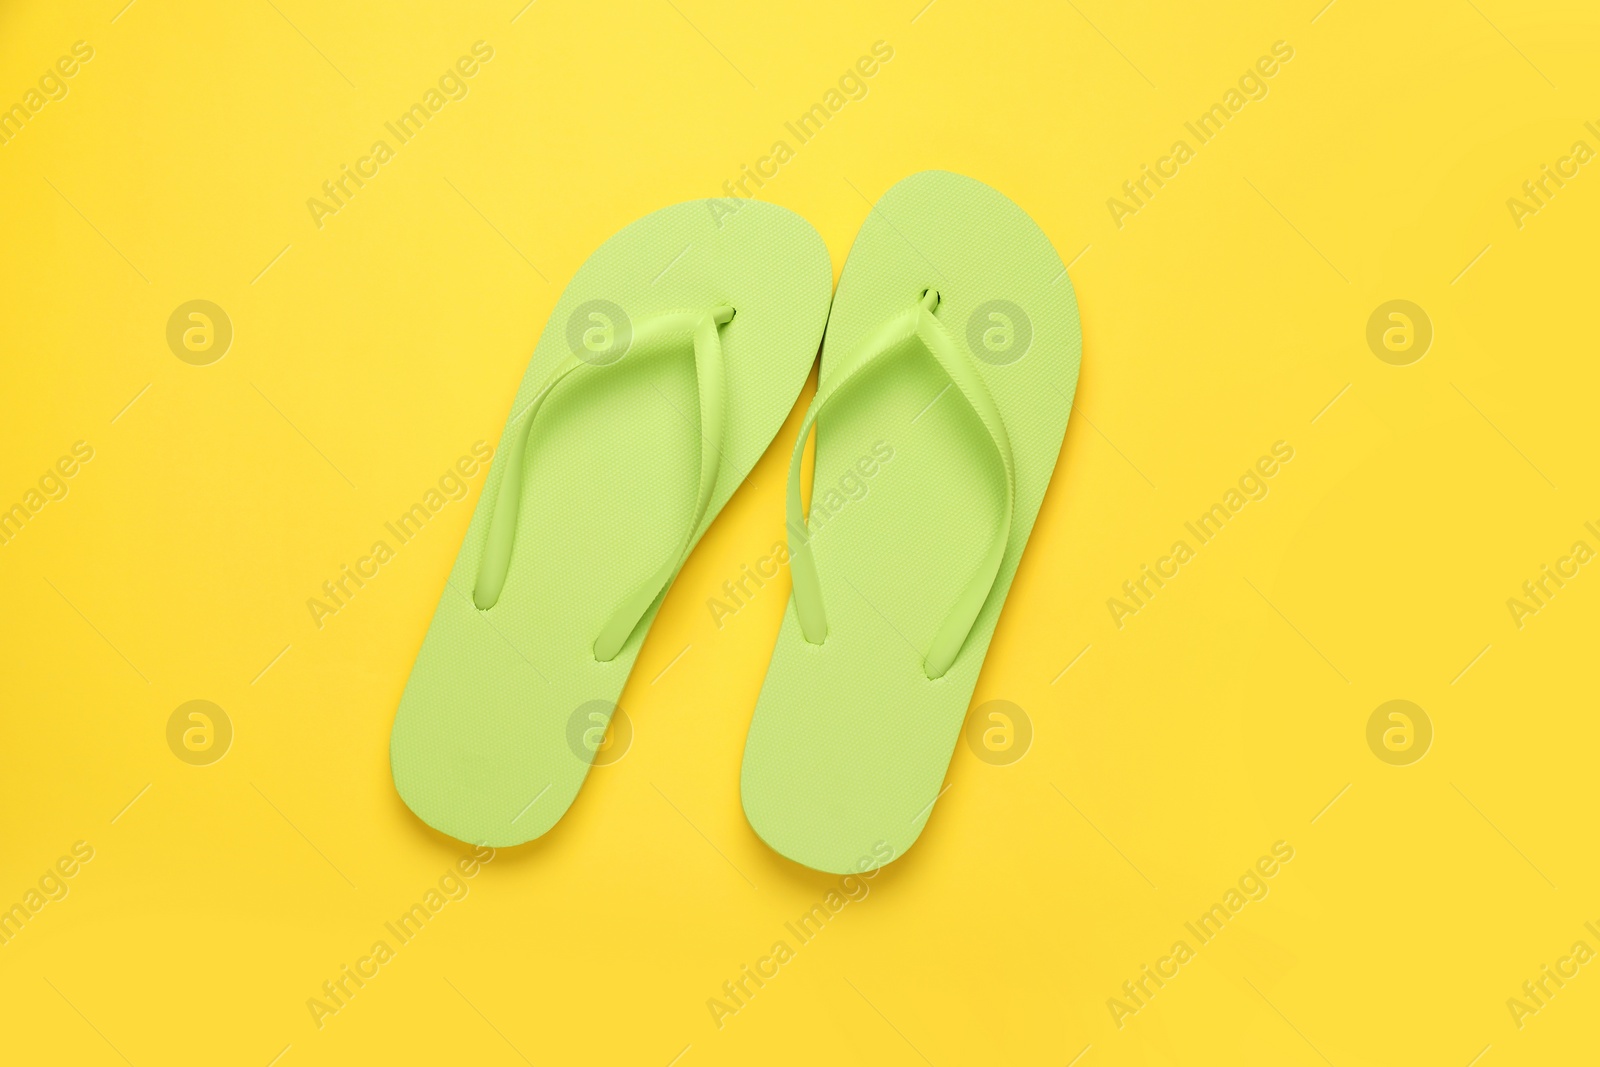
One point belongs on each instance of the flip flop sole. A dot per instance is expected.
(850, 741)
(498, 724)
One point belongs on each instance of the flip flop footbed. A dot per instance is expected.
(497, 726)
(851, 740)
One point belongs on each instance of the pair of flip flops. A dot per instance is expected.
(665, 371)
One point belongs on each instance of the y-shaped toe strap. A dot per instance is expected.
(917, 321)
(662, 333)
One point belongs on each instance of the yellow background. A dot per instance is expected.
(1225, 716)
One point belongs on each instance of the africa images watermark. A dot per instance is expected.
(352, 178)
(826, 503)
(52, 886)
(1537, 992)
(752, 978)
(1538, 191)
(52, 486)
(1137, 993)
(1537, 592)
(852, 85)
(1152, 578)
(340, 990)
(453, 485)
(52, 85)
(1252, 85)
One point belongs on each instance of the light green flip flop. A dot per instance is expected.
(947, 377)
(665, 370)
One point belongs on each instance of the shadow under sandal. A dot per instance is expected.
(664, 372)
(947, 377)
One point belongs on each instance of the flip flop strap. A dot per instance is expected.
(663, 331)
(916, 322)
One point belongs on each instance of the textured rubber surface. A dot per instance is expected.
(850, 740)
(494, 733)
